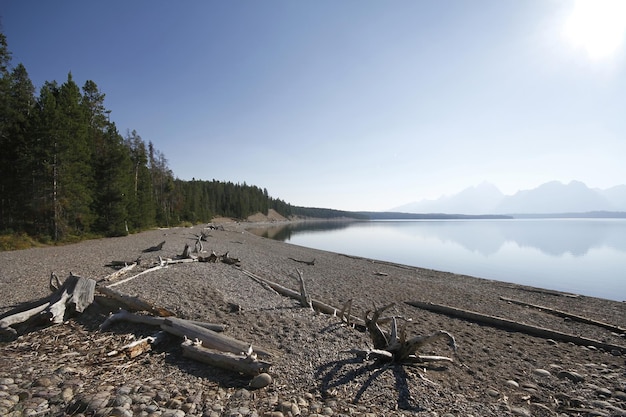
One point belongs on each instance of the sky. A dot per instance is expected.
(350, 104)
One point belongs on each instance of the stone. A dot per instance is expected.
(541, 372)
(512, 383)
(571, 375)
(520, 411)
(260, 381)
(493, 393)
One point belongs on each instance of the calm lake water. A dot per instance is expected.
(583, 256)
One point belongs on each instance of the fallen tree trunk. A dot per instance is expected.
(565, 314)
(124, 315)
(514, 326)
(209, 338)
(245, 364)
(133, 303)
(74, 296)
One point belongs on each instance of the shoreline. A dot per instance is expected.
(313, 370)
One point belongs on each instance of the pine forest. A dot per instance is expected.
(66, 171)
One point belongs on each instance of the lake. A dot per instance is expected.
(582, 256)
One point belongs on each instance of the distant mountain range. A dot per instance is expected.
(549, 198)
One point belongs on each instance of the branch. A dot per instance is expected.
(515, 326)
(574, 317)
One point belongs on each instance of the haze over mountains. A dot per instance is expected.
(549, 198)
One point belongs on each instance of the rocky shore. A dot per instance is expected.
(65, 369)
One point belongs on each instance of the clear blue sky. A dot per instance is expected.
(350, 104)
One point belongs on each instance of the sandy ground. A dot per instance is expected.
(495, 372)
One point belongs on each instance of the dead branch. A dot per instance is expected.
(245, 363)
(305, 299)
(126, 268)
(571, 316)
(304, 262)
(317, 305)
(155, 268)
(506, 324)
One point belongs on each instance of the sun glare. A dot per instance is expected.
(597, 26)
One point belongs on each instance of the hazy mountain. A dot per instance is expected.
(481, 199)
(551, 197)
(616, 196)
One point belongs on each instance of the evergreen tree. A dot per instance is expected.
(111, 165)
(73, 150)
(142, 211)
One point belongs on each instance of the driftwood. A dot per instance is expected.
(395, 347)
(126, 268)
(136, 348)
(214, 258)
(305, 299)
(124, 315)
(311, 263)
(571, 316)
(74, 296)
(154, 248)
(245, 363)
(515, 326)
(133, 303)
(154, 268)
(317, 305)
(209, 338)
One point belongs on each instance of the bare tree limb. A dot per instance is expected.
(514, 325)
(571, 316)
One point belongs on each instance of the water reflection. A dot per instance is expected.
(582, 256)
(487, 237)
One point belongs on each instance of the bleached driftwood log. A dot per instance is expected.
(133, 303)
(74, 296)
(507, 324)
(209, 338)
(565, 314)
(124, 315)
(245, 363)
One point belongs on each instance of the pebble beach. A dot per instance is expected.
(66, 369)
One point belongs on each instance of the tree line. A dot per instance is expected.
(65, 169)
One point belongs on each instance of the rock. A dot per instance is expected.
(541, 372)
(173, 413)
(512, 383)
(493, 393)
(604, 392)
(260, 381)
(520, 411)
(571, 375)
